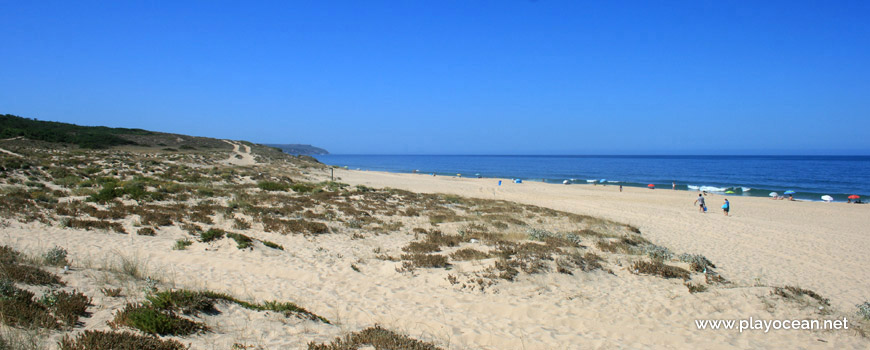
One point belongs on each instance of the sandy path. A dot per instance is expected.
(11, 153)
(246, 157)
(820, 246)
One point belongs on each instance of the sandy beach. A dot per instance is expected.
(816, 245)
(765, 243)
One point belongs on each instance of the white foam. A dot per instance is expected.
(708, 188)
(746, 189)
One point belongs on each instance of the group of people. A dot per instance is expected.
(702, 205)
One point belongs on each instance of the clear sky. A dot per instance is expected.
(453, 77)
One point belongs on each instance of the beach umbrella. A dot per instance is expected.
(773, 194)
(729, 192)
(650, 185)
(827, 198)
(603, 180)
(854, 196)
(788, 192)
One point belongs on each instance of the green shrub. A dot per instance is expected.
(153, 321)
(100, 340)
(272, 186)
(182, 244)
(242, 241)
(184, 301)
(109, 192)
(301, 187)
(146, 231)
(273, 245)
(211, 235)
(56, 257)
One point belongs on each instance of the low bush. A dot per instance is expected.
(376, 337)
(659, 269)
(303, 187)
(151, 320)
(796, 293)
(424, 260)
(242, 241)
(468, 254)
(101, 340)
(17, 308)
(28, 275)
(67, 307)
(273, 186)
(146, 231)
(55, 257)
(211, 235)
(96, 224)
(273, 245)
(182, 244)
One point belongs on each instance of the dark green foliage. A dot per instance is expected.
(190, 302)
(211, 235)
(184, 301)
(146, 231)
(377, 337)
(109, 192)
(659, 269)
(83, 136)
(151, 320)
(273, 245)
(242, 240)
(100, 340)
(272, 186)
(303, 187)
(182, 244)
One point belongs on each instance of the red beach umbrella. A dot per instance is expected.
(650, 185)
(854, 196)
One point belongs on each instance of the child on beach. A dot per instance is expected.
(726, 207)
(700, 202)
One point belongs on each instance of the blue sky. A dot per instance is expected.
(453, 77)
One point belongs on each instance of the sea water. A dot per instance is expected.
(809, 176)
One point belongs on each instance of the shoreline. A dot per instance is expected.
(719, 189)
(816, 245)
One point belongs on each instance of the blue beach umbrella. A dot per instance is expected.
(788, 192)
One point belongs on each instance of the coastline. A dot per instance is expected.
(815, 245)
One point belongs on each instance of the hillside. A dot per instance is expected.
(27, 131)
(297, 149)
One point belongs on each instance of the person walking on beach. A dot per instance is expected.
(700, 202)
(620, 188)
(726, 207)
(674, 186)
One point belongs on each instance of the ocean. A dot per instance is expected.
(809, 176)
